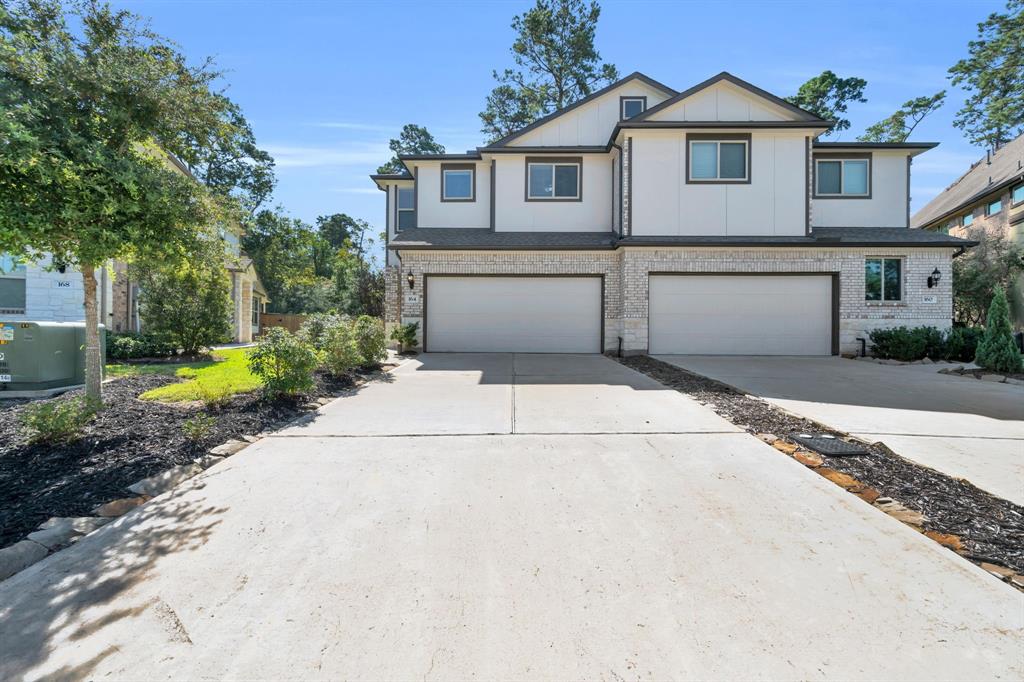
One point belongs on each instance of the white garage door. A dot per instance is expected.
(514, 314)
(741, 315)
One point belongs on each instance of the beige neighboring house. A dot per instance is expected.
(643, 219)
(987, 200)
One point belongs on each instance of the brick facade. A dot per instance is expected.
(626, 273)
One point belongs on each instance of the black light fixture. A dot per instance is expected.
(933, 279)
(411, 279)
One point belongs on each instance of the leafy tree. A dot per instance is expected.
(899, 126)
(556, 65)
(993, 76)
(994, 264)
(282, 249)
(827, 96)
(189, 302)
(80, 174)
(413, 139)
(997, 351)
(337, 228)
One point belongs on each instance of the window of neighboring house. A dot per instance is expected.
(994, 207)
(967, 219)
(458, 182)
(718, 160)
(553, 180)
(883, 279)
(406, 208)
(842, 177)
(1017, 195)
(12, 286)
(255, 312)
(632, 106)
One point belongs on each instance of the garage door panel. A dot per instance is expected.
(514, 314)
(741, 315)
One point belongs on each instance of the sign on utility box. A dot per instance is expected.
(43, 356)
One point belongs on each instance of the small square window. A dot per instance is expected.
(967, 219)
(718, 161)
(842, 177)
(632, 106)
(457, 183)
(553, 181)
(994, 207)
(1017, 195)
(883, 279)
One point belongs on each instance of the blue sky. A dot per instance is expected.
(326, 84)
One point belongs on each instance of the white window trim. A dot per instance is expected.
(399, 210)
(472, 184)
(622, 106)
(579, 175)
(882, 300)
(719, 178)
(842, 178)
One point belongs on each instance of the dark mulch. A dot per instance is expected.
(991, 528)
(129, 440)
(977, 373)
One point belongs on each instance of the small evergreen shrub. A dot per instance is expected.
(283, 362)
(342, 352)
(405, 335)
(962, 343)
(315, 329)
(997, 351)
(370, 340)
(131, 346)
(907, 344)
(59, 421)
(198, 427)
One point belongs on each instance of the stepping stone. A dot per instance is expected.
(60, 532)
(165, 480)
(19, 556)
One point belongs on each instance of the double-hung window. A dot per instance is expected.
(848, 178)
(458, 182)
(12, 286)
(631, 106)
(406, 208)
(718, 159)
(994, 207)
(883, 279)
(553, 179)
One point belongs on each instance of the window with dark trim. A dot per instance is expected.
(1017, 195)
(406, 208)
(12, 286)
(631, 106)
(967, 218)
(718, 158)
(883, 279)
(842, 177)
(994, 207)
(554, 179)
(458, 182)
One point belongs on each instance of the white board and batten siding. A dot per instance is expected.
(513, 213)
(432, 212)
(513, 314)
(887, 206)
(741, 314)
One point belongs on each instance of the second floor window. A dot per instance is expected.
(553, 180)
(406, 208)
(994, 207)
(842, 178)
(967, 219)
(458, 182)
(12, 286)
(1017, 195)
(719, 160)
(632, 106)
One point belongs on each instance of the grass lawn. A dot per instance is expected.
(227, 375)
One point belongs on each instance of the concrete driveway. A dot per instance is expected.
(963, 427)
(509, 517)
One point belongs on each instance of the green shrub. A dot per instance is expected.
(342, 352)
(214, 396)
(962, 343)
(199, 426)
(370, 340)
(907, 344)
(405, 335)
(997, 351)
(315, 329)
(58, 421)
(283, 362)
(131, 346)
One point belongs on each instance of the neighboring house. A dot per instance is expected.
(986, 201)
(708, 221)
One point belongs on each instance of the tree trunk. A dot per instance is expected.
(93, 370)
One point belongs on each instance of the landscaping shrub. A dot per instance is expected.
(59, 421)
(214, 396)
(907, 344)
(962, 343)
(284, 362)
(131, 346)
(342, 352)
(997, 351)
(370, 340)
(405, 335)
(198, 426)
(315, 329)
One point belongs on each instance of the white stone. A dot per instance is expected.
(20, 556)
(229, 448)
(62, 531)
(164, 481)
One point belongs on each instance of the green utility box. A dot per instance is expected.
(42, 356)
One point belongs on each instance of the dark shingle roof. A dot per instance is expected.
(982, 179)
(455, 238)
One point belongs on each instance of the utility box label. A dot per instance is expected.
(6, 333)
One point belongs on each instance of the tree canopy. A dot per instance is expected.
(556, 64)
(413, 139)
(899, 126)
(993, 76)
(827, 96)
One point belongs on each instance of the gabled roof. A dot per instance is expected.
(803, 114)
(636, 75)
(988, 175)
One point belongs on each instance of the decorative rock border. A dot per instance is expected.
(967, 373)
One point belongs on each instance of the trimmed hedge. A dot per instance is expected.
(131, 346)
(907, 344)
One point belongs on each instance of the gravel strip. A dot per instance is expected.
(991, 528)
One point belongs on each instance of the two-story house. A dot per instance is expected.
(646, 220)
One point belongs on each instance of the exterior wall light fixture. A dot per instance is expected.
(933, 279)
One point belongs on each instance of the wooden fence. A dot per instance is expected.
(288, 321)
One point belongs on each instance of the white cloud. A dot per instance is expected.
(349, 155)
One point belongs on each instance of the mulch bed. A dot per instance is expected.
(129, 440)
(990, 528)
